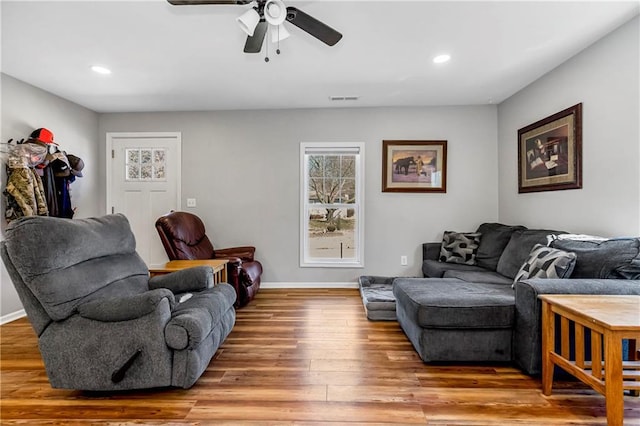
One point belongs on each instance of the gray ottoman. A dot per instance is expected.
(447, 319)
(377, 297)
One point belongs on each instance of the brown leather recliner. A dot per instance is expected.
(183, 237)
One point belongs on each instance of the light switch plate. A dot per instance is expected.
(191, 202)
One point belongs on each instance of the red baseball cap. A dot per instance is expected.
(43, 135)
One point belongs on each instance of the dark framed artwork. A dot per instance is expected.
(414, 166)
(550, 152)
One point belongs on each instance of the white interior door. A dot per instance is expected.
(143, 179)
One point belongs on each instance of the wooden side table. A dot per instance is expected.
(219, 267)
(609, 319)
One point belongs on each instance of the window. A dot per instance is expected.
(332, 194)
(145, 164)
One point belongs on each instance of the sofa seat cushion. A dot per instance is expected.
(449, 303)
(436, 269)
(481, 277)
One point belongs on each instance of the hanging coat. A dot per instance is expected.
(49, 183)
(63, 196)
(25, 186)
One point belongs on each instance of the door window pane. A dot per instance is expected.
(133, 172)
(145, 164)
(145, 156)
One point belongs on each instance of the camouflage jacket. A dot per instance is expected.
(25, 186)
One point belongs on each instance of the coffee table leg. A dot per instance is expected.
(548, 342)
(613, 388)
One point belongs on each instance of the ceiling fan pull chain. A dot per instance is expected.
(266, 58)
(278, 48)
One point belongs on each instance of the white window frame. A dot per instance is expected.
(307, 148)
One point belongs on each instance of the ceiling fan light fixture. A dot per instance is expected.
(248, 21)
(279, 33)
(275, 12)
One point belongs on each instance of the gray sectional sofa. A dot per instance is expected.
(474, 312)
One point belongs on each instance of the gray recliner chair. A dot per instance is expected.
(102, 324)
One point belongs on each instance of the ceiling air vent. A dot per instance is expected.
(344, 98)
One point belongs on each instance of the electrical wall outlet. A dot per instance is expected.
(403, 260)
(191, 202)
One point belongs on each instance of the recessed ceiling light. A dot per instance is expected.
(100, 69)
(441, 59)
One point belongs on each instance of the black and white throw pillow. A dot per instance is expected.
(546, 262)
(460, 247)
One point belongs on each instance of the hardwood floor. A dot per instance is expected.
(304, 357)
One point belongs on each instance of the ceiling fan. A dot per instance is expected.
(256, 21)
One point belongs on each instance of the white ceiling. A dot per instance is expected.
(179, 58)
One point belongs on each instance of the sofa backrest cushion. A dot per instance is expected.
(518, 248)
(615, 258)
(495, 237)
(62, 261)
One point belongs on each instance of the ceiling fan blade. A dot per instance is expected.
(254, 42)
(195, 2)
(308, 23)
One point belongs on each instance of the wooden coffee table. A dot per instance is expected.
(219, 267)
(610, 319)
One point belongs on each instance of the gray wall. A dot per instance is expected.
(75, 128)
(243, 169)
(605, 78)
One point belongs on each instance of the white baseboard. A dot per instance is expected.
(268, 285)
(12, 316)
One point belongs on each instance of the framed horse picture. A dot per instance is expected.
(414, 166)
